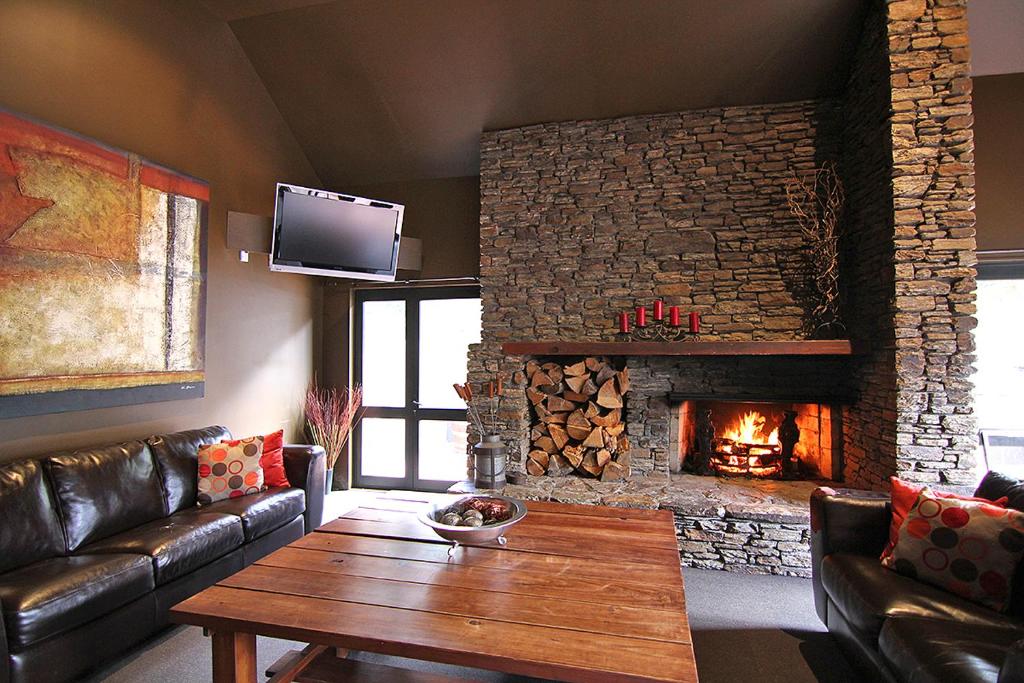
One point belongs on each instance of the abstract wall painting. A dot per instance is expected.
(102, 274)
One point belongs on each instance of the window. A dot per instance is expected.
(411, 346)
(999, 337)
(999, 375)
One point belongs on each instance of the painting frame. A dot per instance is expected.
(183, 375)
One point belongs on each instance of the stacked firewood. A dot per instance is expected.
(577, 418)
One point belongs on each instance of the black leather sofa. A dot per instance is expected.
(97, 544)
(893, 628)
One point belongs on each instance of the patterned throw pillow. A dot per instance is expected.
(969, 548)
(230, 469)
(904, 495)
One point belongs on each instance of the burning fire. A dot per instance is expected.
(745, 449)
(750, 430)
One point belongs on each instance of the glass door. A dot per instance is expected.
(410, 348)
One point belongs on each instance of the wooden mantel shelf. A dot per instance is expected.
(837, 347)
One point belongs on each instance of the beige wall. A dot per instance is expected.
(168, 81)
(445, 214)
(999, 160)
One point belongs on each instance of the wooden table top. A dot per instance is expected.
(579, 593)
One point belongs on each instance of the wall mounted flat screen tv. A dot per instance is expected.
(325, 233)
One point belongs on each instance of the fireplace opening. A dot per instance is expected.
(758, 439)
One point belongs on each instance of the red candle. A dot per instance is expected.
(659, 310)
(641, 316)
(673, 316)
(694, 322)
(624, 323)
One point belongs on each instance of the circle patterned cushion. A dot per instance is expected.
(968, 547)
(230, 469)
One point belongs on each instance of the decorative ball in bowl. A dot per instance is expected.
(474, 518)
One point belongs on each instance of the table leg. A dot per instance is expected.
(234, 657)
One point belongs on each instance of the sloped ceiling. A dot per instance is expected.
(394, 90)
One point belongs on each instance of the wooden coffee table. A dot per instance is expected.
(579, 593)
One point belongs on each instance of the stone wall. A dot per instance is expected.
(933, 202)
(909, 252)
(744, 545)
(867, 260)
(582, 219)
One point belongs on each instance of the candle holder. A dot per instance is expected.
(658, 331)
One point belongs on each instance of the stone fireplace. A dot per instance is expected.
(582, 219)
(766, 439)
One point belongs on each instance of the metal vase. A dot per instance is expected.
(489, 463)
(329, 481)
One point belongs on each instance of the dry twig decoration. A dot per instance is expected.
(817, 204)
(494, 394)
(330, 416)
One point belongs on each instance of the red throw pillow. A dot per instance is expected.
(230, 469)
(904, 495)
(966, 547)
(272, 461)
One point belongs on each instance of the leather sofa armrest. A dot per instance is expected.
(306, 468)
(1012, 669)
(5, 660)
(845, 521)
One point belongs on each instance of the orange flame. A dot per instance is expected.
(750, 429)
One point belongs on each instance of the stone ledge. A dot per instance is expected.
(779, 502)
(731, 524)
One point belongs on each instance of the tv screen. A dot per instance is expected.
(325, 233)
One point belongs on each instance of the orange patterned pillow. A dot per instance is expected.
(230, 469)
(904, 495)
(966, 547)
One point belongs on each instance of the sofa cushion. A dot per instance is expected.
(993, 486)
(262, 512)
(904, 495)
(102, 491)
(230, 469)
(177, 544)
(934, 651)
(177, 459)
(31, 528)
(56, 595)
(272, 460)
(966, 547)
(867, 594)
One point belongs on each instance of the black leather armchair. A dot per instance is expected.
(96, 545)
(891, 627)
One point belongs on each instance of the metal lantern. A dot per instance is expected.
(489, 463)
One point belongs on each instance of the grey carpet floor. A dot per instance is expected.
(745, 628)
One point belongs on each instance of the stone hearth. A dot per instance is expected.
(735, 524)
